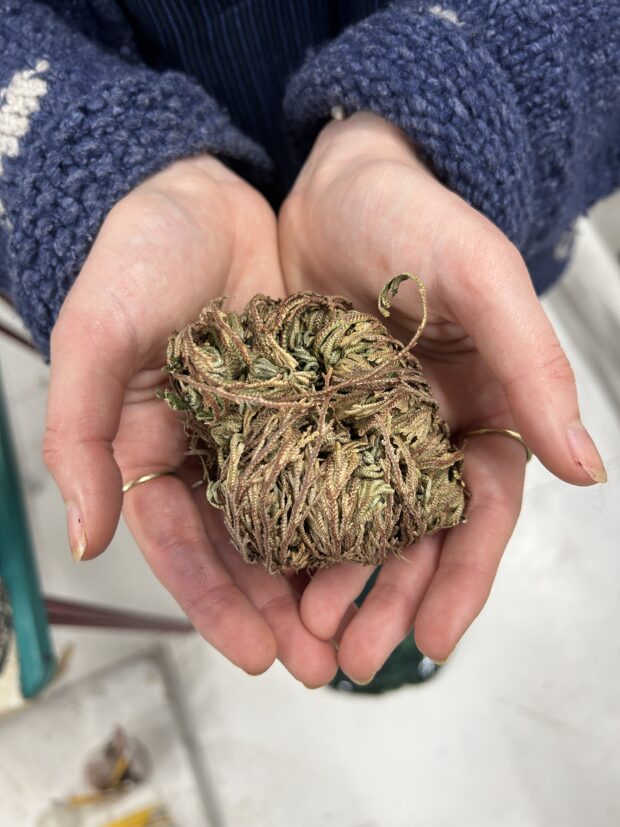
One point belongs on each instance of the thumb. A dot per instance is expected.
(501, 311)
(92, 355)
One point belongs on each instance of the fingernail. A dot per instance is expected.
(366, 681)
(584, 452)
(440, 662)
(75, 529)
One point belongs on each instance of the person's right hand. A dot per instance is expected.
(186, 235)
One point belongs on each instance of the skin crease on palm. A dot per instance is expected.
(363, 209)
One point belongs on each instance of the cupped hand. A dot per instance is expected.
(363, 209)
(188, 234)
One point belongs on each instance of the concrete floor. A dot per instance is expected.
(520, 729)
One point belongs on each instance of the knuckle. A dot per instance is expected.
(177, 545)
(492, 498)
(278, 604)
(548, 363)
(389, 594)
(556, 366)
(51, 450)
(469, 575)
(203, 600)
(496, 505)
(208, 605)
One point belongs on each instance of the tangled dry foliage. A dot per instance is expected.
(319, 437)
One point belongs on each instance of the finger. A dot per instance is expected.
(91, 361)
(471, 553)
(349, 615)
(311, 661)
(387, 614)
(329, 595)
(496, 303)
(167, 525)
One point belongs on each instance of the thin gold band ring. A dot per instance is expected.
(501, 432)
(146, 478)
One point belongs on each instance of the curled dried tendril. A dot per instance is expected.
(319, 437)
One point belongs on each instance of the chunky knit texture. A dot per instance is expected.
(420, 72)
(515, 104)
(77, 133)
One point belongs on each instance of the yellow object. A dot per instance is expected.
(120, 768)
(86, 798)
(151, 817)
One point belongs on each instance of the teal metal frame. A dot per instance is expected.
(18, 570)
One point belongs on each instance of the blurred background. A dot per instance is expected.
(521, 728)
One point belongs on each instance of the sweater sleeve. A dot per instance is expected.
(515, 104)
(80, 125)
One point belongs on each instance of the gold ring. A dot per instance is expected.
(146, 478)
(502, 432)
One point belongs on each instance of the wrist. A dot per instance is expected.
(363, 138)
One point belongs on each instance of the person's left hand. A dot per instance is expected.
(363, 209)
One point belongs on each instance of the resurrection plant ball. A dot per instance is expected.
(319, 437)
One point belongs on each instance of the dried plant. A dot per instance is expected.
(319, 437)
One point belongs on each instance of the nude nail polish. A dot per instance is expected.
(75, 529)
(364, 682)
(440, 662)
(584, 452)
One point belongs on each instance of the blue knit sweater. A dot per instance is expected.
(514, 103)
